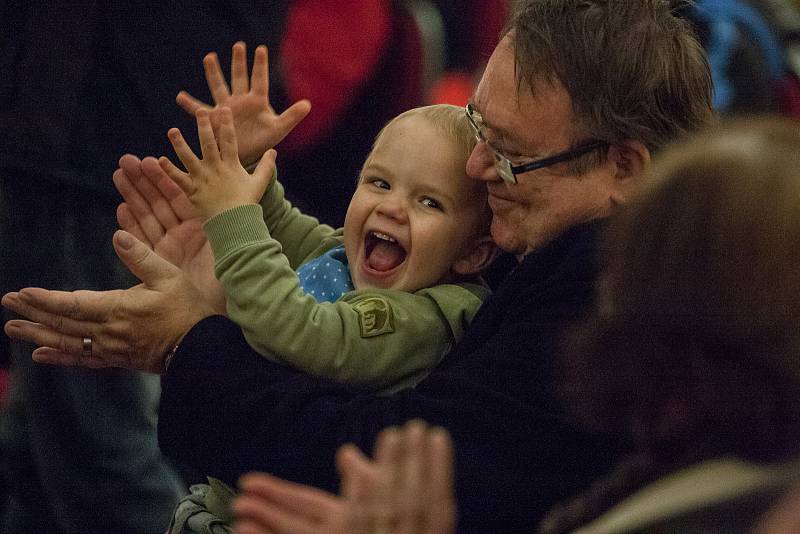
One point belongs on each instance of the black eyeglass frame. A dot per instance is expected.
(509, 172)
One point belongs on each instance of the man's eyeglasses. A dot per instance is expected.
(509, 172)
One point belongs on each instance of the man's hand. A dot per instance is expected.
(217, 182)
(406, 489)
(133, 328)
(258, 127)
(159, 213)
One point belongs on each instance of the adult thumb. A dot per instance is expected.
(142, 262)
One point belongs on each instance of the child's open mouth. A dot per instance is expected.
(383, 252)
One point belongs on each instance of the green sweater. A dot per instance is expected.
(382, 339)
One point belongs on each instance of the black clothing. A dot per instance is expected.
(85, 82)
(226, 410)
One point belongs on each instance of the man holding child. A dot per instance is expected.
(574, 100)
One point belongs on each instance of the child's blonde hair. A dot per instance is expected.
(447, 119)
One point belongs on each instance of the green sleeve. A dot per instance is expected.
(381, 339)
(300, 235)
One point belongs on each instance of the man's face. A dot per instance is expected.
(545, 202)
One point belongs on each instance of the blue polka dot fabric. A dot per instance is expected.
(327, 277)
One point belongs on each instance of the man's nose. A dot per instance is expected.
(480, 164)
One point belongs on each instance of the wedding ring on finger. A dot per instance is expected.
(86, 351)
(380, 527)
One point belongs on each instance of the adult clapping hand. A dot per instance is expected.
(134, 328)
(158, 213)
(407, 488)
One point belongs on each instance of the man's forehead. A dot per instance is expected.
(518, 112)
(499, 112)
(522, 123)
(496, 94)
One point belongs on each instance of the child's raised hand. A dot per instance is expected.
(217, 182)
(258, 127)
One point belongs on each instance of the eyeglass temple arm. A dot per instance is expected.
(566, 156)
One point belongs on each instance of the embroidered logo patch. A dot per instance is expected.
(375, 316)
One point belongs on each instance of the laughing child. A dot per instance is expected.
(376, 303)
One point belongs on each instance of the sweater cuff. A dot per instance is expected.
(236, 228)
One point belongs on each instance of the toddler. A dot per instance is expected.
(376, 303)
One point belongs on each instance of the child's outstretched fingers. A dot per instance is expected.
(188, 103)
(265, 169)
(216, 80)
(183, 150)
(181, 178)
(208, 143)
(240, 84)
(228, 150)
(259, 78)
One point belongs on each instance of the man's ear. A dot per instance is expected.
(631, 159)
(478, 258)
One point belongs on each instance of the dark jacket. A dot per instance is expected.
(85, 82)
(225, 410)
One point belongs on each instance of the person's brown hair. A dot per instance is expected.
(694, 349)
(633, 69)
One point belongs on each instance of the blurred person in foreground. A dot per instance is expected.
(693, 353)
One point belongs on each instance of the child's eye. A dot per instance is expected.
(377, 182)
(431, 203)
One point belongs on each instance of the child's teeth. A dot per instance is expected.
(383, 236)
